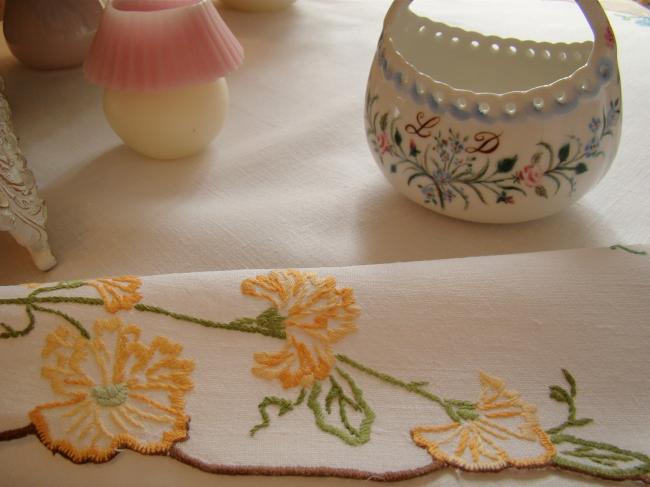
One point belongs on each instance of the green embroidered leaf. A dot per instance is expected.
(284, 406)
(272, 321)
(581, 168)
(560, 394)
(398, 137)
(461, 403)
(599, 459)
(467, 414)
(506, 165)
(72, 284)
(563, 153)
(541, 191)
(571, 381)
(383, 122)
(338, 400)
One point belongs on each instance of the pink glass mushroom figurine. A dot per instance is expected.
(162, 64)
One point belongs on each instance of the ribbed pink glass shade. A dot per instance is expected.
(152, 45)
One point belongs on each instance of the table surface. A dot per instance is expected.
(290, 181)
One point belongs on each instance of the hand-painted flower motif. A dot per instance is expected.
(505, 198)
(451, 170)
(610, 38)
(413, 149)
(384, 142)
(118, 293)
(429, 193)
(531, 175)
(503, 431)
(317, 314)
(595, 124)
(115, 392)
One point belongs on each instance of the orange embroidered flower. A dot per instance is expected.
(118, 293)
(317, 314)
(115, 392)
(505, 432)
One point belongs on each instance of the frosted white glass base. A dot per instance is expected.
(168, 124)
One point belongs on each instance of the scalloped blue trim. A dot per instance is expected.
(605, 69)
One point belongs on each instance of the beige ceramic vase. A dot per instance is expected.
(47, 34)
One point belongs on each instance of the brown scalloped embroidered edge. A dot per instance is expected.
(30, 430)
(344, 473)
(237, 470)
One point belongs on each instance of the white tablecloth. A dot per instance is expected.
(290, 181)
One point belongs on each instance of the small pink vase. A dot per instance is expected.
(51, 34)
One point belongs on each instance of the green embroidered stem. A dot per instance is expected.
(413, 387)
(285, 406)
(560, 394)
(350, 435)
(61, 285)
(629, 250)
(16, 301)
(68, 318)
(31, 304)
(270, 323)
(12, 333)
(607, 458)
(66, 299)
(53, 300)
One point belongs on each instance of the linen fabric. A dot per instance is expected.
(518, 318)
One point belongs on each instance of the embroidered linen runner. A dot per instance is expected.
(390, 372)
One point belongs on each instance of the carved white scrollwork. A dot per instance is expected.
(22, 212)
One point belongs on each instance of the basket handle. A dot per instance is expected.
(592, 10)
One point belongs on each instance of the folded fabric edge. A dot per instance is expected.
(633, 249)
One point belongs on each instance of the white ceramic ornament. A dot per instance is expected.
(488, 129)
(22, 211)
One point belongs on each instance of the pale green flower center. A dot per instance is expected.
(467, 414)
(111, 395)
